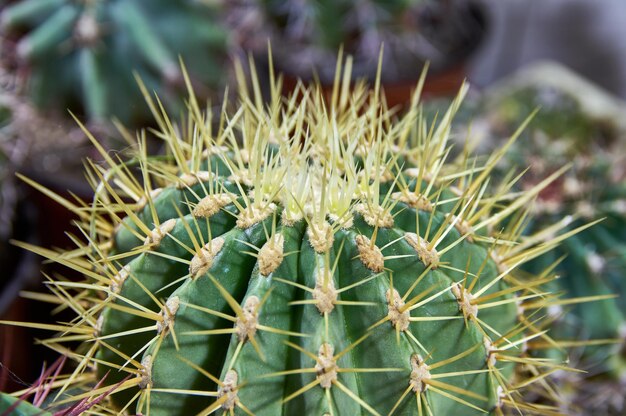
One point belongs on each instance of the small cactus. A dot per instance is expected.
(306, 34)
(303, 257)
(81, 54)
(565, 131)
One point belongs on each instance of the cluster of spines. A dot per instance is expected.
(296, 179)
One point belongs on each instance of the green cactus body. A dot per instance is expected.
(18, 407)
(81, 54)
(301, 261)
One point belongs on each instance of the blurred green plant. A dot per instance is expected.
(307, 34)
(593, 262)
(580, 125)
(80, 54)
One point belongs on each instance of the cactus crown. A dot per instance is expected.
(313, 255)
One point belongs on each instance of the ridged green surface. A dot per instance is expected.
(275, 370)
(237, 274)
(305, 261)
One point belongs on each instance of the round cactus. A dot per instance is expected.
(306, 34)
(304, 257)
(79, 52)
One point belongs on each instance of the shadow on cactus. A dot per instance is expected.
(78, 53)
(304, 256)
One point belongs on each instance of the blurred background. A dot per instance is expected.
(565, 57)
(587, 36)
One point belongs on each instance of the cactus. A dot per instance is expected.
(578, 124)
(593, 265)
(594, 261)
(307, 34)
(81, 54)
(330, 24)
(303, 257)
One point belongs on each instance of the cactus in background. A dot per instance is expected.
(330, 24)
(81, 54)
(307, 34)
(576, 124)
(594, 262)
(304, 257)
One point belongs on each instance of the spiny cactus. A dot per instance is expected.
(306, 34)
(594, 262)
(81, 54)
(577, 124)
(330, 24)
(303, 257)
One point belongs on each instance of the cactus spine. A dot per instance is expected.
(305, 257)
